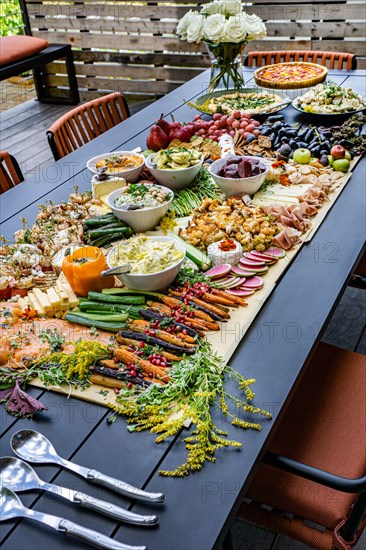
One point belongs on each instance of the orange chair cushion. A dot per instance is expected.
(324, 426)
(14, 48)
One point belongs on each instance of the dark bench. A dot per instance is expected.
(37, 63)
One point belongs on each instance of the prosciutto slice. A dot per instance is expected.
(289, 216)
(287, 238)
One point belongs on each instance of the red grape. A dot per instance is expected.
(237, 114)
(217, 116)
(250, 128)
(256, 132)
(197, 117)
(236, 124)
(255, 123)
(230, 120)
(243, 124)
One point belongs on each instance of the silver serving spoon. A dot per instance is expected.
(118, 270)
(129, 207)
(19, 476)
(35, 447)
(11, 507)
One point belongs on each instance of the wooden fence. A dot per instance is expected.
(131, 46)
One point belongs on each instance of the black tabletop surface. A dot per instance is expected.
(198, 508)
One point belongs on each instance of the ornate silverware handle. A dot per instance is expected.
(124, 488)
(113, 511)
(93, 537)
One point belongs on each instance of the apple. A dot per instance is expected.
(341, 165)
(348, 155)
(337, 152)
(302, 156)
(330, 160)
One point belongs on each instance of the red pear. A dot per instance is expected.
(181, 133)
(164, 125)
(157, 139)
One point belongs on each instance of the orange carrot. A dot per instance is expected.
(161, 307)
(168, 356)
(219, 300)
(146, 366)
(235, 299)
(215, 309)
(162, 334)
(173, 302)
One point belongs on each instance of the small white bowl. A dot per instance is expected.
(174, 179)
(150, 281)
(131, 175)
(237, 186)
(142, 220)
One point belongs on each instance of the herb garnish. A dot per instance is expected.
(195, 383)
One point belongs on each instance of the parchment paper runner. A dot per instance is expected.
(226, 341)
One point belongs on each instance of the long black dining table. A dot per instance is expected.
(199, 509)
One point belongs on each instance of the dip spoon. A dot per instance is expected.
(35, 447)
(19, 476)
(12, 507)
(118, 270)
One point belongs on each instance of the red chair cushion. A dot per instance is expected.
(324, 426)
(14, 48)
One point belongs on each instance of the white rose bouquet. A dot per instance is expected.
(225, 29)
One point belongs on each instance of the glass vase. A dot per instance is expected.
(226, 65)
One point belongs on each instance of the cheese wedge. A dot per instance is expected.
(102, 188)
(43, 300)
(23, 302)
(53, 298)
(35, 304)
(280, 191)
(286, 201)
(63, 296)
(73, 299)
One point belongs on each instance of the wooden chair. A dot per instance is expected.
(328, 59)
(10, 173)
(86, 122)
(358, 279)
(323, 431)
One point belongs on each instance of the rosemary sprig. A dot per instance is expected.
(196, 382)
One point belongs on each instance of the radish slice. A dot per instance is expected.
(275, 252)
(236, 270)
(222, 283)
(263, 256)
(253, 283)
(251, 259)
(218, 271)
(258, 263)
(240, 292)
(234, 284)
(253, 270)
(245, 267)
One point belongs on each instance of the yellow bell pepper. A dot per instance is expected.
(83, 269)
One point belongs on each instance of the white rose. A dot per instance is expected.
(231, 7)
(184, 24)
(212, 8)
(255, 27)
(235, 30)
(195, 28)
(214, 27)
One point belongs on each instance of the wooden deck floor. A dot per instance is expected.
(23, 134)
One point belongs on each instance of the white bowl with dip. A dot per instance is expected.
(129, 174)
(174, 179)
(143, 219)
(157, 280)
